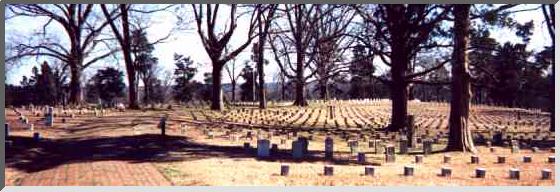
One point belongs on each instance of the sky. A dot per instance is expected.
(188, 43)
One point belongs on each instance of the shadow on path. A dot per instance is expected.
(29, 156)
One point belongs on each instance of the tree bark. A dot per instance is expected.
(300, 81)
(217, 95)
(130, 69)
(460, 137)
(75, 87)
(233, 85)
(399, 90)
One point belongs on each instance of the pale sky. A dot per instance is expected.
(188, 42)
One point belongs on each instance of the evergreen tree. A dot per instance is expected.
(107, 84)
(184, 72)
(248, 87)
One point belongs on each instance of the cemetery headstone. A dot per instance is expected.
(427, 146)
(475, 159)
(329, 148)
(361, 158)
(497, 138)
(419, 158)
(403, 145)
(263, 148)
(526, 159)
(378, 147)
(162, 125)
(50, 116)
(501, 159)
(297, 149)
(390, 154)
(408, 170)
(411, 130)
(546, 174)
(369, 170)
(515, 146)
(247, 147)
(446, 158)
(480, 173)
(353, 147)
(274, 149)
(284, 170)
(445, 171)
(328, 170)
(36, 137)
(514, 173)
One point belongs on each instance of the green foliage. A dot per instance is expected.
(248, 87)
(107, 84)
(361, 74)
(184, 72)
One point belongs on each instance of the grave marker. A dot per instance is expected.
(546, 174)
(419, 158)
(445, 171)
(480, 173)
(263, 148)
(369, 170)
(329, 148)
(328, 170)
(36, 137)
(501, 159)
(297, 149)
(446, 158)
(408, 170)
(514, 146)
(162, 124)
(514, 173)
(427, 146)
(390, 154)
(411, 130)
(527, 159)
(403, 145)
(475, 159)
(361, 158)
(284, 170)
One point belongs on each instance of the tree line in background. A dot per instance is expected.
(421, 51)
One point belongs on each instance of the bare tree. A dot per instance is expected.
(82, 26)
(125, 40)
(332, 42)
(402, 31)
(214, 44)
(266, 15)
(123, 37)
(299, 39)
(233, 76)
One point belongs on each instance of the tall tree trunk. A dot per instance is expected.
(550, 20)
(233, 85)
(300, 82)
(217, 95)
(460, 137)
(399, 90)
(75, 87)
(130, 68)
(260, 70)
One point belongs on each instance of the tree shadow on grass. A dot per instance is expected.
(29, 156)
